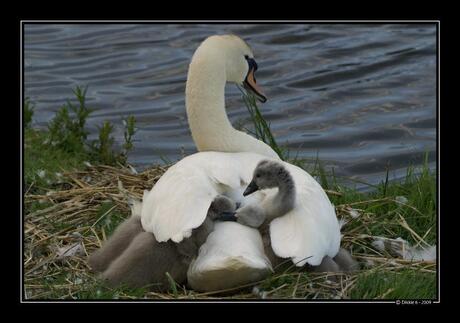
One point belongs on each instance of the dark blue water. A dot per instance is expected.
(358, 97)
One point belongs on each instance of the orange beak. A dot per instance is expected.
(251, 85)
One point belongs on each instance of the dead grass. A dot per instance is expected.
(65, 225)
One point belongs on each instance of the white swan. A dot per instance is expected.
(233, 253)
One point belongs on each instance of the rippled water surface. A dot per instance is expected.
(360, 97)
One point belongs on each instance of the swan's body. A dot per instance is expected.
(180, 199)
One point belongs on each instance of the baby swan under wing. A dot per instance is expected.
(147, 262)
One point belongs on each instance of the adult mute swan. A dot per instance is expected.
(233, 253)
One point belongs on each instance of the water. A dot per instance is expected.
(360, 97)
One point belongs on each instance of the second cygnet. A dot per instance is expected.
(146, 261)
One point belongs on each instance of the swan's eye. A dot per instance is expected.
(257, 175)
(252, 64)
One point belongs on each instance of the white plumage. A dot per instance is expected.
(232, 255)
(179, 201)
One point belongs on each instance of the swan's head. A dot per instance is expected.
(238, 58)
(267, 174)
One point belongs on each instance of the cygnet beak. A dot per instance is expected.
(226, 216)
(252, 187)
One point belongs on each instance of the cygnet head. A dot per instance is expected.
(268, 174)
(221, 205)
(235, 56)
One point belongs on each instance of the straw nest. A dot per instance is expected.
(60, 234)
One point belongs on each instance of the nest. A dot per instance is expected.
(59, 236)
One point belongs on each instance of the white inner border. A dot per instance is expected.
(438, 267)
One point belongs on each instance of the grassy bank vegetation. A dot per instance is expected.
(76, 192)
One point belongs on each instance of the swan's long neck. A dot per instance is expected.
(205, 102)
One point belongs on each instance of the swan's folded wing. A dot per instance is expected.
(177, 203)
(310, 231)
(180, 200)
(231, 169)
